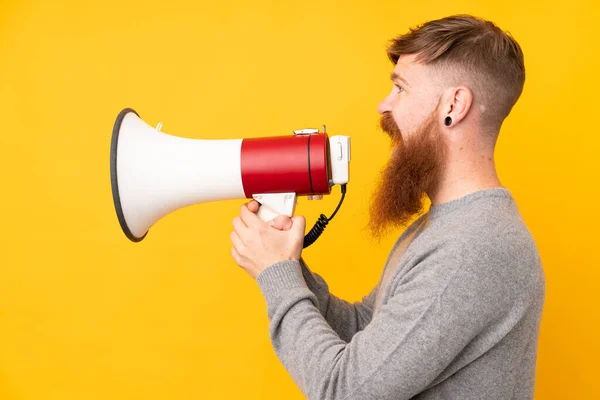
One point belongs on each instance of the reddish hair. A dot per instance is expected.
(478, 53)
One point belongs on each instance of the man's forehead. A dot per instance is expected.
(412, 70)
(406, 64)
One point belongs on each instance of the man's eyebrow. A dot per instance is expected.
(395, 77)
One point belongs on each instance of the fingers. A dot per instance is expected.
(299, 224)
(237, 249)
(239, 226)
(249, 218)
(253, 206)
(238, 245)
(236, 256)
(281, 222)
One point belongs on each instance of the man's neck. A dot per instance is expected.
(465, 176)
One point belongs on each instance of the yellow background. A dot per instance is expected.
(86, 314)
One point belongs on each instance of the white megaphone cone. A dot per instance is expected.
(154, 174)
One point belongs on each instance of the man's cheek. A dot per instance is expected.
(402, 122)
(403, 129)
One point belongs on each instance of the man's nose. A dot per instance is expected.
(384, 106)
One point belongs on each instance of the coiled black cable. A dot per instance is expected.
(322, 222)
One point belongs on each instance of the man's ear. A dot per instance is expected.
(457, 105)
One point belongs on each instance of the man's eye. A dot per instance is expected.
(400, 88)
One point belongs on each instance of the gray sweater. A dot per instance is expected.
(456, 314)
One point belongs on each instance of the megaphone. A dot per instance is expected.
(154, 173)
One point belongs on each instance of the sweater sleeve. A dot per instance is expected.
(344, 318)
(409, 342)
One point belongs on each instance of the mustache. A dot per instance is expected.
(389, 126)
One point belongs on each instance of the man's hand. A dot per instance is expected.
(280, 222)
(257, 245)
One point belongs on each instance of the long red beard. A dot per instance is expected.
(414, 169)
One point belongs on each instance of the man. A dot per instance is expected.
(457, 311)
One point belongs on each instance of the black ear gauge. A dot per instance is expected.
(448, 121)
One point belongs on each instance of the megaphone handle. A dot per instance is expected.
(266, 214)
(274, 204)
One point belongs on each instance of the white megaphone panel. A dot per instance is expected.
(154, 174)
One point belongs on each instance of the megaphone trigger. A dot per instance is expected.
(274, 204)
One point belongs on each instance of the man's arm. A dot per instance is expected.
(344, 318)
(412, 339)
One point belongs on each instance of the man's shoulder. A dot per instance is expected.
(486, 243)
(484, 223)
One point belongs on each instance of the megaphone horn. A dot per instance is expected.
(154, 173)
